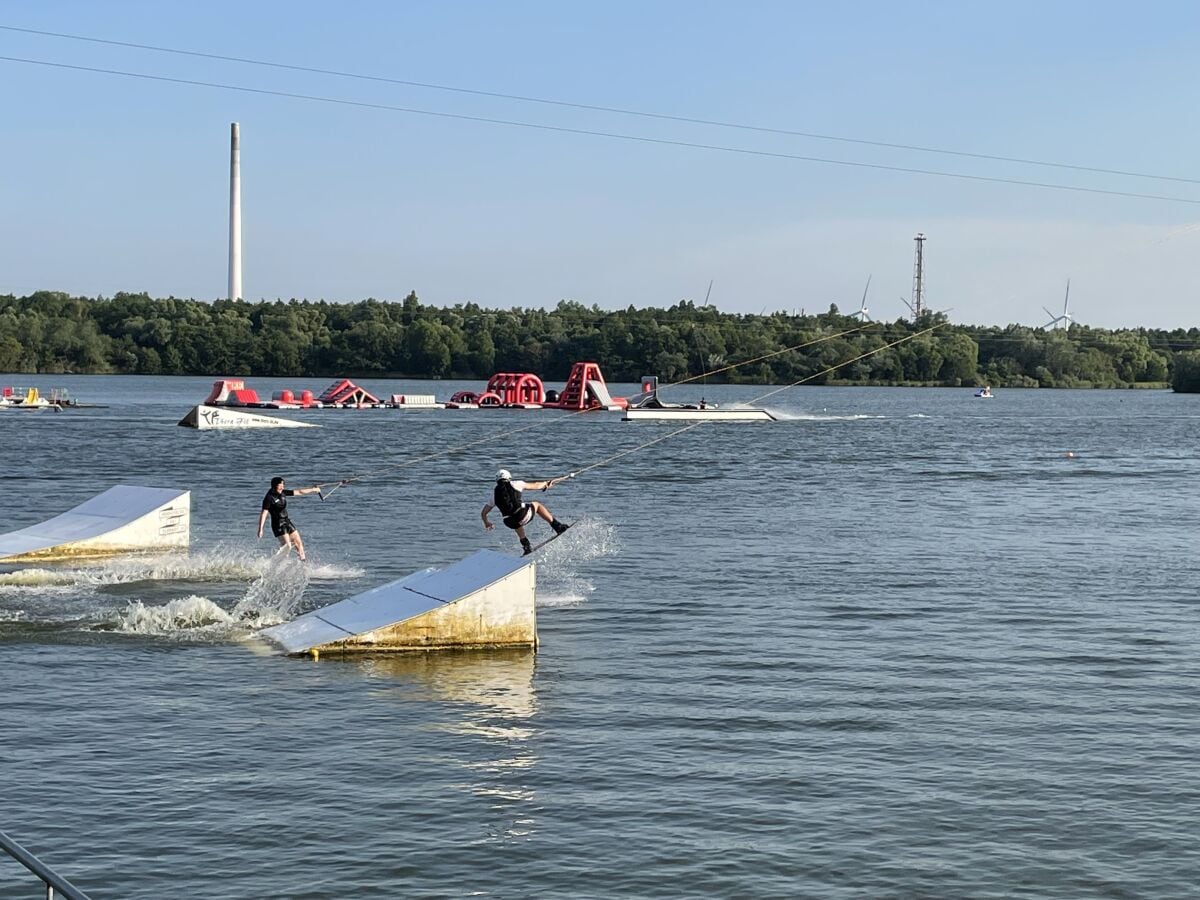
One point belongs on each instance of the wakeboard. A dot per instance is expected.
(549, 540)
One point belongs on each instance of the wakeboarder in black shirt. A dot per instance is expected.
(275, 505)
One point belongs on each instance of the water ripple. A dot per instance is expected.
(899, 646)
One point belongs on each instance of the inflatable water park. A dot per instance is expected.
(585, 390)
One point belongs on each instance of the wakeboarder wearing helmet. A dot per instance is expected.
(506, 497)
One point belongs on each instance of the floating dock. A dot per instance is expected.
(646, 405)
(414, 401)
(483, 601)
(209, 417)
(698, 414)
(123, 519)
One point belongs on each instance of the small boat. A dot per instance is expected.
(25, 398)
(646, 405)
(985, 392)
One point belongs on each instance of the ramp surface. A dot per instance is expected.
(397, 602)
(209, 417)
(125, 517)
(599, 392)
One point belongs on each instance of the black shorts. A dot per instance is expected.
(284, 526)
(521, 517)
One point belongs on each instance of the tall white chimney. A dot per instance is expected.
(235, 215)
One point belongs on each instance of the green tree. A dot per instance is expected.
(12, 354)
(960, 362)
(428, 352)
(1185, 378)
(481, 350)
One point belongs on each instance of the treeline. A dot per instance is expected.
(138, 334)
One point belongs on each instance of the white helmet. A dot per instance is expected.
(504, 475)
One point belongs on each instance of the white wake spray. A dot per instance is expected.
(219, 564)
(184, 615)
(559, 580)
(275, 596)
(822, 417)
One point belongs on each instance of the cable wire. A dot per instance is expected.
(513, 431)
(614, 457)
(562, 129)
(667, 117)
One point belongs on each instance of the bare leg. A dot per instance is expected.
(521, 533)
(292, 539)
(541, 510)
(299, 545)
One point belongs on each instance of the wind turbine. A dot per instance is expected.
(1066, 315)
(863, 314)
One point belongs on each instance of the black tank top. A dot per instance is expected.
(507, 497)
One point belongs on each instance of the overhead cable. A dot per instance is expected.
(561, 129)
(591, 107)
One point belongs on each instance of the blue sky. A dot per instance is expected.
(115, 183)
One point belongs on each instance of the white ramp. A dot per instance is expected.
(122, 519)
(206, 417)
(485, 600)
(600, 394)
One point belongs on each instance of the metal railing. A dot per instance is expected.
(52, 880)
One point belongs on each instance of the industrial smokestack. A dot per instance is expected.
(235, 215)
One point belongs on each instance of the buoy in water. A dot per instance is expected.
(1070, 454)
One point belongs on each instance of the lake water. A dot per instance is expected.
(898, 644)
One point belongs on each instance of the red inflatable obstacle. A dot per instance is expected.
(586, 390)
(286, 399)
(517, 389)
(233, 392)
(224, 392)
(472, 400)
(346, 393)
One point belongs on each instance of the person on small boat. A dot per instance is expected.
(275, 505)
(506, 497)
